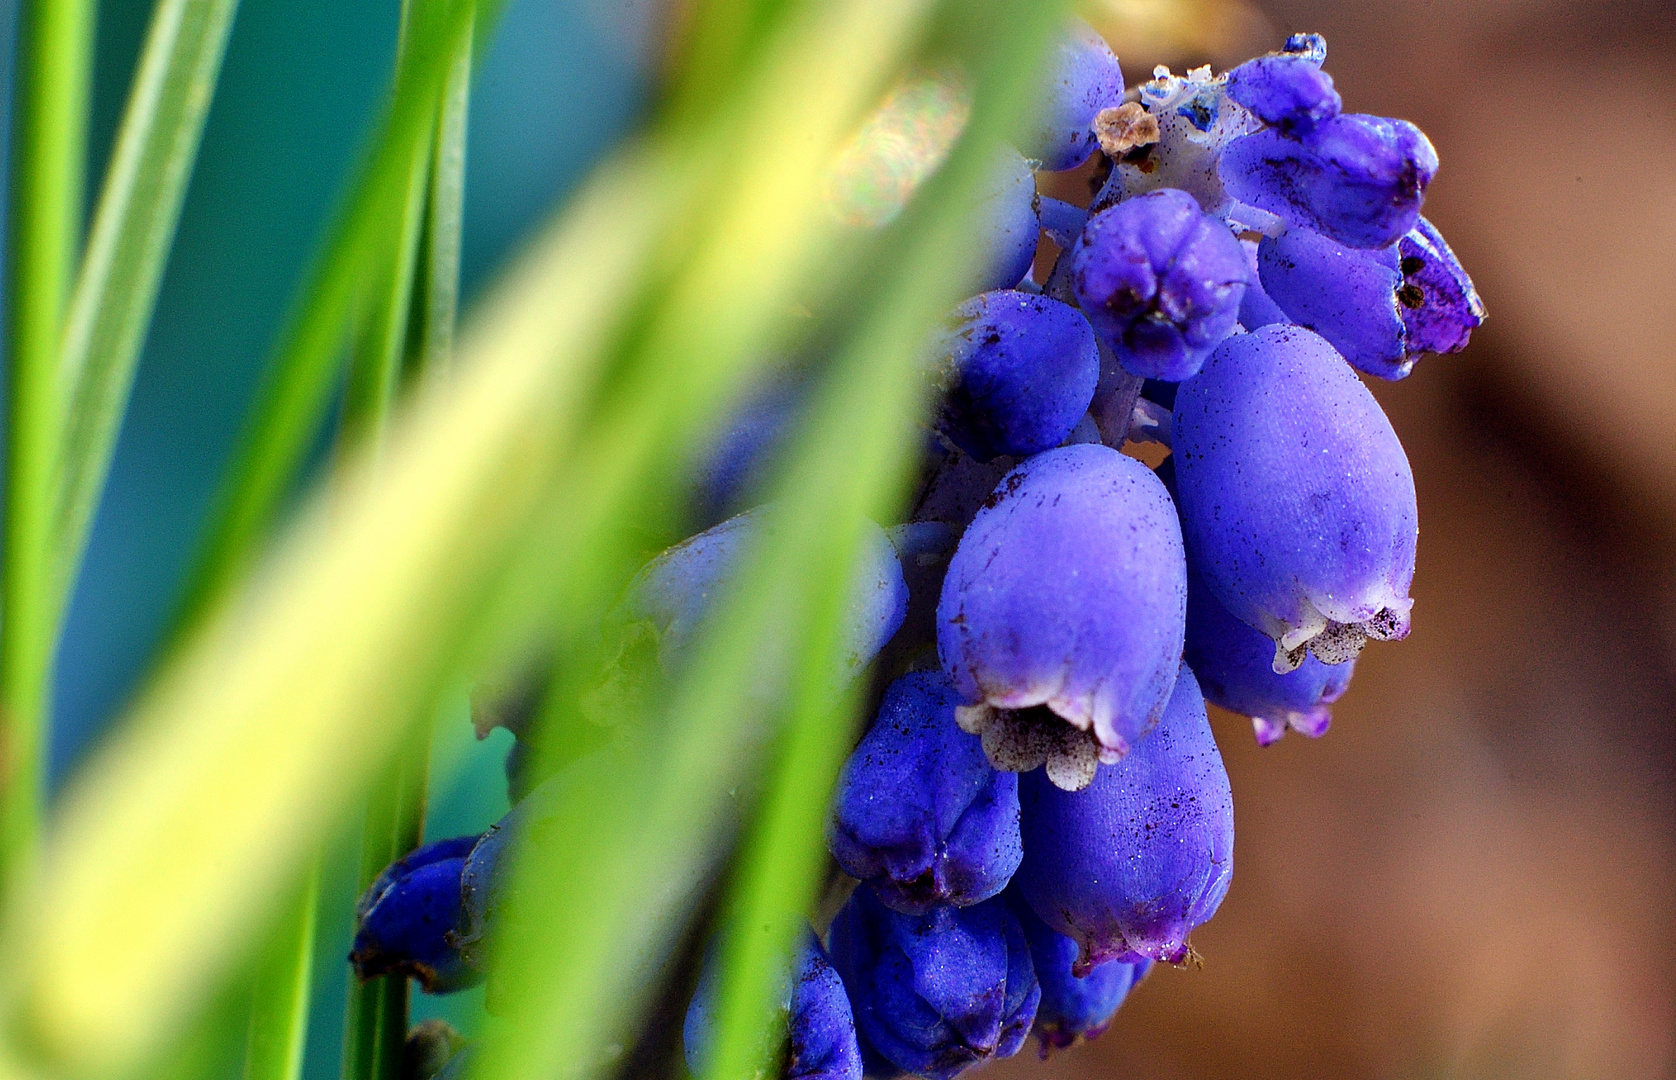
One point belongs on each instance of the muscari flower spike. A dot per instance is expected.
(1019, 370)
(1161, 281)
(920, 813)
(1383, 308)
(1130, 866)
(934, 994)
(1073, 1009)
(1086, 81)
(1296, 496)
(820, 1028)
(409, 920)
(1067, 591)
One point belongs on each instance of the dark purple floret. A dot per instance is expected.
(919, 812)
(1440, 308)
(1359, 179)
(934, 994)
(1019, 369)
(1068, 591)
(1073, 1010)
(820, 1028)
(1086, 79)
(409, 919)
(1287, 90)
(1009, 210)
(1235, 667)
(1130, 866)
(1295, 495)
(1161, 281)
(1347, 295)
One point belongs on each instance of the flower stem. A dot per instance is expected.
(280, 999)
(50, 137)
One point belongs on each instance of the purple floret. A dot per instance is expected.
(919, 812)
(1086, 79)
(1440, 308)
(820, 1028)
(934, 994)
(1129, 867)
(1286, 90)
(1295, 495)
(1235, 667)
(1161, 281)
(409, 920)
(1069, 591)
(1256, 309)
(1359, 179)
(1073, 1009)
(1347, 295)
(1019, 369)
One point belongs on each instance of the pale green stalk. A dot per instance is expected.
(281, 993)
(128, 248)
(55, 40)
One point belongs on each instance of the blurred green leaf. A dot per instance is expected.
(280, 995)
(509, 503)
(304, 367)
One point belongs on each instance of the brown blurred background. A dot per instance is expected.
(1472, 874)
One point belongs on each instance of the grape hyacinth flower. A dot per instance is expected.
(1086, 81)
(1235, 667)
(1069, 591)
(934, 994)
(1130, 866)
(1296, 496)
(820, 1028)
(1161, 281)
(409, 919)
(1372, 305)
(1358, 179)
(1018, 370)
(919, 813)
(1073, 1009)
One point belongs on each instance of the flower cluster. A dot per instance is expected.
(1039, 811)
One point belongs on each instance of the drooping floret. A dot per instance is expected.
(934, 994)
(1161, 281)
(1130, 866)
(819, 1026)
(1074, 1009)
(1086, 79)
(1235, 667)
(1287, 90)
(1295, 495)
(1358, 179)
(919, 812)
(1381, 308)
(1019, 370)
(1068, 591)
(409, 919)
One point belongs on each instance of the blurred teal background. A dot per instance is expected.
(556, 85)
